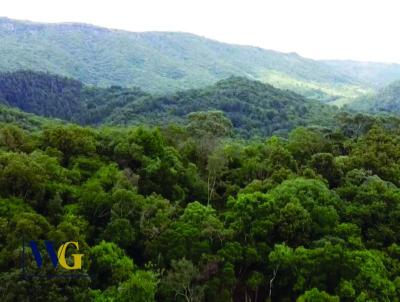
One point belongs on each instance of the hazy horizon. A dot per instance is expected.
(322, 30)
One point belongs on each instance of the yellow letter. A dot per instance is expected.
(77, 257)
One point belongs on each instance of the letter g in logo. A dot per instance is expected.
(77, 257)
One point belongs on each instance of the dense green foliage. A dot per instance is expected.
(41, 93)
(254, 108)
(22, 119)
(55, 96)
(185, 213)
(165, 61)
(236, 191)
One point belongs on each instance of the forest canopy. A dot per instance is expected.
(187, 213)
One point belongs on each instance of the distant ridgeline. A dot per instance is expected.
(253, 107)
(156, 61)
(165, 62)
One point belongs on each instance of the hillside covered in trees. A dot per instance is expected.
(169, 61)
(60, 97)
(254, 108)
(236, 191)
(187, 213)
(164, 166)
(24, 120)
(386, 100)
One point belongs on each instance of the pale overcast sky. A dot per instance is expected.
(322, 29)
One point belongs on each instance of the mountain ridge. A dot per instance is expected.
(163, 62)
(156, 61)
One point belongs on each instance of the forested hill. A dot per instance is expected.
(155, 61)
(253, 107)
(60, 97)
(385, 100)
(42, 93)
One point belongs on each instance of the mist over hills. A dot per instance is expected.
(370, 73)
(385, 100)
(168, 61)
